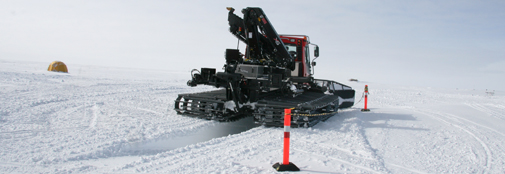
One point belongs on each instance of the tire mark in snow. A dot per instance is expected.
(170, 160)
(185, 124)
(487, 135)
(486, 110)
(365, 158)
(332, 147)
(499, 106)
(385, 143)
(20, 134)
(340, 160)
(139, 108)
(119, 148)
(489, 156)
(151, 111)
(477, 124)
(44, 102)
(12, 164)
(405, 168)
(369, 146)
(95, 109)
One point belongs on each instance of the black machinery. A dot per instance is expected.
(274, 74)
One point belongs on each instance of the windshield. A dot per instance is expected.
(290, 47)
(292, 50)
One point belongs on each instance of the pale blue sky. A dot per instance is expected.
(453, 44)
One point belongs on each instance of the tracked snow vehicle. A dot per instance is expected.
(274, 73)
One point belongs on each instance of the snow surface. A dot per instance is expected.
(102, 120)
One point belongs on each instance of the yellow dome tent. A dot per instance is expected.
(57, 66)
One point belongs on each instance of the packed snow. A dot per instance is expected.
(121, 120)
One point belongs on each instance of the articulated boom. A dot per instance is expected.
(275, 73)
(264, 44)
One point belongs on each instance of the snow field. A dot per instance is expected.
(88, 120)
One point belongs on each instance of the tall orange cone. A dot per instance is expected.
(286, 165)
(366, 100)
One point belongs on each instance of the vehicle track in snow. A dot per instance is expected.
(384, 136)
(342, 142)
(346, 162)
(481, 142)
(489, 139)
(492, 138)
(496, 111)
(178, 127)
(358, 158)
(56, 119)
(193, 155)
(96, 111)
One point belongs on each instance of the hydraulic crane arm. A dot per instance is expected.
(236, 25)
(264, 44)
